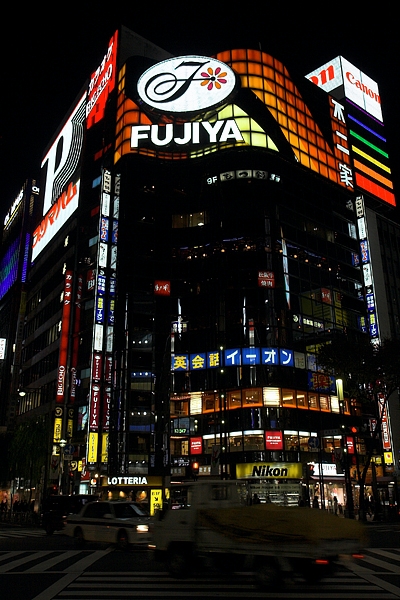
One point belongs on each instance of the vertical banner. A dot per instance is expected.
(156, 502)
(104, 448)
(75, 341)
(58, 419)
(66, 316)
(92, 446)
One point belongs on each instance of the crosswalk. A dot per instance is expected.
(21, 532)
(376, 576)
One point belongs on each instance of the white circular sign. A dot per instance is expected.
(186, 84)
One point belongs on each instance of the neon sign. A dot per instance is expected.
(358, 87)
(194, 133)
(186, 84)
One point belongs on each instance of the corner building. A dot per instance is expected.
(205, 244)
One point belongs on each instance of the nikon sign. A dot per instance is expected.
(269, 470)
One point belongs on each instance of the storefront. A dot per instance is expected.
(326, 484)
(146, 490)
(280, 483)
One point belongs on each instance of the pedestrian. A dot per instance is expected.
(315, 503)
(335, 505)
(256, 499)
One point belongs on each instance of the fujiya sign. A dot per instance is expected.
(185, 133)
(186, 84)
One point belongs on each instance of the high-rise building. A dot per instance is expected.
(205, 225)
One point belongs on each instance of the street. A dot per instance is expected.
(34, 566)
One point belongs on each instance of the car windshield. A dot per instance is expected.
(128, 511)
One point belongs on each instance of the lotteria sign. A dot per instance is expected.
(186, 84)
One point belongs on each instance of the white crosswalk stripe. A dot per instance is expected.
(20, 532)
(372, 577)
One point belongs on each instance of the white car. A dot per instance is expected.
(115, 522)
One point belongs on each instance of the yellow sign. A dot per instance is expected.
(269, 470)
(388, 457)
(155, 501)
(92, 447)
(104, 448)
(57, 430)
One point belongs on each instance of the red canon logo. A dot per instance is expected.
(361, 86)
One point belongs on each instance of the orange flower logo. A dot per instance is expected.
(213, 78)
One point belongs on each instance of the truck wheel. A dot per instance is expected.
(178, 561)
(78, 537)
(268, 575)
(122, 540)
(229, 562)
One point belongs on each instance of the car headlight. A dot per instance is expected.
(142, 528)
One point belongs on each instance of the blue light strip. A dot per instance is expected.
(26, 254)
(367, 128)
(366, 113)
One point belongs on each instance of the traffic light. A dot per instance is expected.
(195, 469)
(349, 429)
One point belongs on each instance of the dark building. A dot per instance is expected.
(206, 224)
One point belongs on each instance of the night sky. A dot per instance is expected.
(46, 59)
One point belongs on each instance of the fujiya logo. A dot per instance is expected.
(186, 84)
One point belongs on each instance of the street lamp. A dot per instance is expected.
(349, 511)
(62, 443)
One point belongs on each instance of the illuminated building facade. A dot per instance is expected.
(204, 227)
(14, 254)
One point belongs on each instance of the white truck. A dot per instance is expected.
(212, 520)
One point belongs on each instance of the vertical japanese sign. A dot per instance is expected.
(75, 340)
(341, 145)
(102, 83)
(66, 316)
(104, 309)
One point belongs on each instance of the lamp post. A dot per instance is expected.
(62, 443)
(349, 511)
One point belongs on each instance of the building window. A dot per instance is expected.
(234, 399)
(288, 398)
(252, 397)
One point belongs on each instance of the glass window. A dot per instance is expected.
(335, 404)
(325, 403)
(313, 401)
(271, 396)
(208, 444)
(303, 438)
(288, 398)
(236, 443)
(210, 402)
(302, 400)
(291, 441)
(252, 397)
(179, 406)
(234, 399)
(254, 442)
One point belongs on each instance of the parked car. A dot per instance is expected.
(123, 523)
(57, 508)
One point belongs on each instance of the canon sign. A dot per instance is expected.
(357, 86)
(186, 84)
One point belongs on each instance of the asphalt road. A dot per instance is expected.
(34, 566)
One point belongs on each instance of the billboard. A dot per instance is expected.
(356, 85)
(61, 185)
(102, 83)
